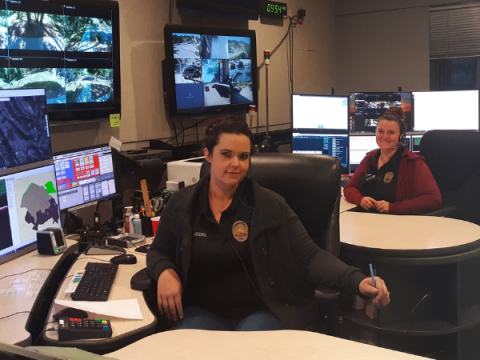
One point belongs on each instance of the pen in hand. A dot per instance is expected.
(373, 282)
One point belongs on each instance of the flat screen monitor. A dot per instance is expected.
(335, 145)
(361, 144)
(85, 176)
(446, 110)
(319, 112)
(209, 70)
(28, 202)
(366, 107)
(415, 143)
(24, 130)
(70, 48)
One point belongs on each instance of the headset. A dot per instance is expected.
(401, 124)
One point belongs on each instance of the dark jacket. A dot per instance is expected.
(288, 264)
(417, 192)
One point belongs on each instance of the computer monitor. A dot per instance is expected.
(366, 107)
(84, 176)
(327, 144)
(415, 143)
(28, 202)
(446, 110)
(319, 112)
(24, 131)
(359, 146)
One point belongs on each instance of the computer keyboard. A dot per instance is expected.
(96, 282)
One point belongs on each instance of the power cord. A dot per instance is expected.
(24, 272)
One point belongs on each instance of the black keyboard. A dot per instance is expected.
(96, 282)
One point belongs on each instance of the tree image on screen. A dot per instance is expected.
(3, 29)
(89, 85)
(52, 79)
(39, 204)
(35, 31)
(87, 34)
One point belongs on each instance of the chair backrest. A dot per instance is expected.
(311, 186)
(452, 156)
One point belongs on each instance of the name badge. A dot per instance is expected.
(240, 231)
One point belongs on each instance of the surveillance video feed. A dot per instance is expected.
(212, 70)
(64, 49)
(52, 79)
(89, 85)
(366, 108)
(88, 34)
(35, 31)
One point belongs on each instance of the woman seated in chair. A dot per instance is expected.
(392, 179)
(231, 255)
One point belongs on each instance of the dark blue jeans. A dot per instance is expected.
(196, 318)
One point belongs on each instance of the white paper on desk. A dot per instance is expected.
(125, 309)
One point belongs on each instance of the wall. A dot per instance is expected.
(142, 50)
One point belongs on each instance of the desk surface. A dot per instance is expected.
(19, 292)
(283, 344)
(120, 291)
(406, 232)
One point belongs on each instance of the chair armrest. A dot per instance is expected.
(141, 280)
(324, 294)
(448, 211)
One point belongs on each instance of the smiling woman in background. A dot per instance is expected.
(231, 255)
(392, 179)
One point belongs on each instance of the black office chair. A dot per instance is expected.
(311, 186)
(453, 156)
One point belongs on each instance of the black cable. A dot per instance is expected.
(175, 131)
(292, 24)
(43, 332)
(18, 312)
(183, 131)
(170, 12)
(24, 272)
(187, 128)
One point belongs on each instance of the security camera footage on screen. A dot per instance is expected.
(212, 70)
(319, 112)
(28, 202)
(57, 47)
(24, 131)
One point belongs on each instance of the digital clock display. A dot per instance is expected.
(273, 9)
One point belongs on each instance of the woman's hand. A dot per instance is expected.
(169, 294)
(367, 203)
(382, 206)
(380, 293)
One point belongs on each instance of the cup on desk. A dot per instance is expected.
(155, 221)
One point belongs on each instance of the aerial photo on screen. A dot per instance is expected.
(6, 233)
(89, 85)
(186, 46)
(23, 131)
(87, 34)
(35, 31)
(239, 48)
(52, 79)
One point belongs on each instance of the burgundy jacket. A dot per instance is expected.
(417, 192)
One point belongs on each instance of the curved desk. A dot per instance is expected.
(432, 268)
(280, 344)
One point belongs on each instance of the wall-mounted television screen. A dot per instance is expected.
(70, 48)
(209, 70)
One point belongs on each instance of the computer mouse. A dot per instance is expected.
(143, 248)
(124, 259)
